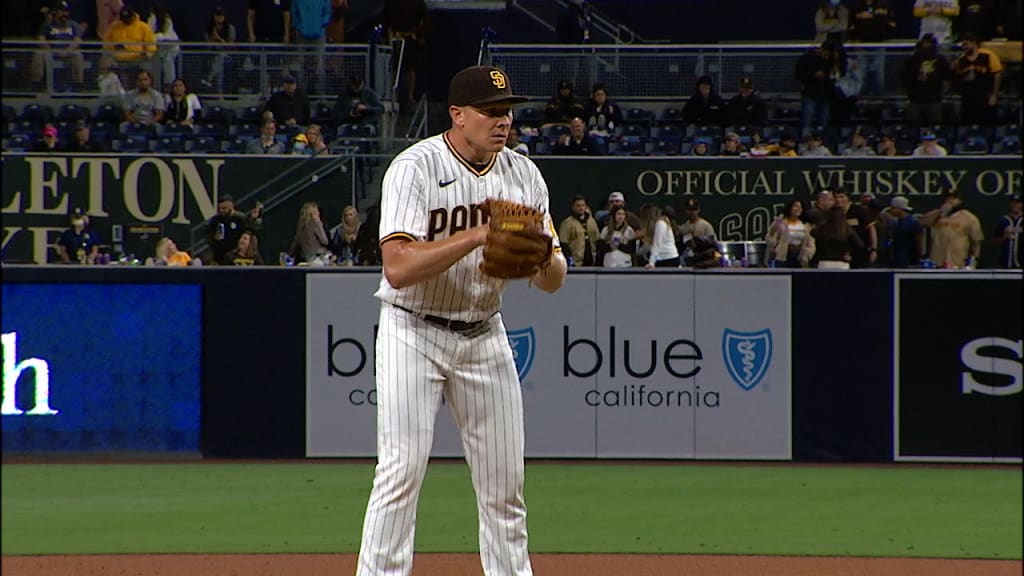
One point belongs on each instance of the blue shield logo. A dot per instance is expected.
(747, 355)
(523, 344)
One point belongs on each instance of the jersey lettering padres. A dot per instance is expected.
(429, 193)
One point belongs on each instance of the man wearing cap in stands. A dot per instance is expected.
(289, 105)
(62, 35)
(746, 108)
(618, 199)
(906, 234)
(694, 226)
(929, 146)
(133, 39)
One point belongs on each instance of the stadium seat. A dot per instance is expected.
(220, 115)
(29, 128)
(168, 145)
(1009, 144)
(671, 115)
(72, 113)
(212, 130)
(640, 116)
(205, 145)
(703, 132)
(236, 145)
(971, 145)
(108, 113)
(178, 131)
(528, 116)
(784, 115)
(638, 131)
(323, 114)
(247, 130)
(250, 115)
(287, 131)
(19, 142)
(554, 131)
(105, 130)
(666, 147)
(973, 131)
(629, 147)
(40, 113)
(672, 133)
(133, 143)
(138, 129)
(894, 115)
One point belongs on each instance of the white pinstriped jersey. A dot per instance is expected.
(429, 193)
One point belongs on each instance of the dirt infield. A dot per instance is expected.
(468, 564)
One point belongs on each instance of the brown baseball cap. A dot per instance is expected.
(479, 85)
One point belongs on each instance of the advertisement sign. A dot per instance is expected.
(101, 367)
(958, 367)
(611, 366)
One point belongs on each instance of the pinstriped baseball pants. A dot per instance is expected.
(417, 361)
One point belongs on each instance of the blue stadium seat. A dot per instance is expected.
(640, 116)
(673, 133)
(178, 131)
(639, 131)
(671, 115)
(19, 142)
(528, 116)
(236, 145)
(36, 112)
(287, 131)
(72, 113)
(323, 114)
(247, 130)
(218, 114)
(894, 115)
(138, 129)
(971, 145)
(703, 132)
(664, 147)
(29, 128)
(168, 145)
(784, 115)
(108, 113)
(553, 131)
(974, 130)
(629, 147)
(205, 145)
(250, 115)
(105, 130)
(212, 130)
(1009, 144)
(132, 144)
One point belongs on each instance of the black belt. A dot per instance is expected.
(458, 326)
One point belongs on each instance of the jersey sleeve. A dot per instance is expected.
(542, 202)
(403, 205)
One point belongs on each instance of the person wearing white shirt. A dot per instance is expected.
(937, 18)
(929, 147)
(658, 235)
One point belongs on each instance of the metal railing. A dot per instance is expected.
(671, 71)
(212, 70)
(600, 28)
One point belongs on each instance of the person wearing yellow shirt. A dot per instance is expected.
(133, 40)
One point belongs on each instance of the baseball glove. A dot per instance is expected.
(517, 244)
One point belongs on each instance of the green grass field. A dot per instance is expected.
(669, 508)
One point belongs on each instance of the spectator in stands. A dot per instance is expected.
(906, 236)
(513, 143)
(835, 241)
(218, 31)
(48, 141)
(705, 107)
(979, 74)
(787, 147)
(144, 105)
(224, 228)
(358, 105)
(107, 12)
(310, 19)
(746, 108)
(817, 70)
(937, 18)
(61, 39)
(789, 240)
(408, 20)
(82, 141)
(315, 144)
(578, 234)
(269, 21)
(732, 146)
(887, 146)
(132, 40)
(823, 201)
(694, 226)
(859, 145)
(873, 21)
(1007, 234)
(160, 22)
(367, 240)
(924, 77)
(167, 254)
(861, 224)
(77, 244)
(344, 235)
(108, 81)
(563, 106)
(267, 143)
(955, 232)
(577, 142)
(701, 146)
(618, 199)
(289, 104)
(245, 253)
(602, 115)
(978, 18)
(336, 27)
(617, 241)
(929, 146)
(814, 146)
(659, 238)
(183, 107)
(310, 241)
(831, 21)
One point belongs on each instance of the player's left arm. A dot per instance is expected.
(550, 277)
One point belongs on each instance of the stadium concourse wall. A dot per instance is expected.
(857, 366)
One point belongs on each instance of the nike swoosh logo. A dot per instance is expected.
(444, 184)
